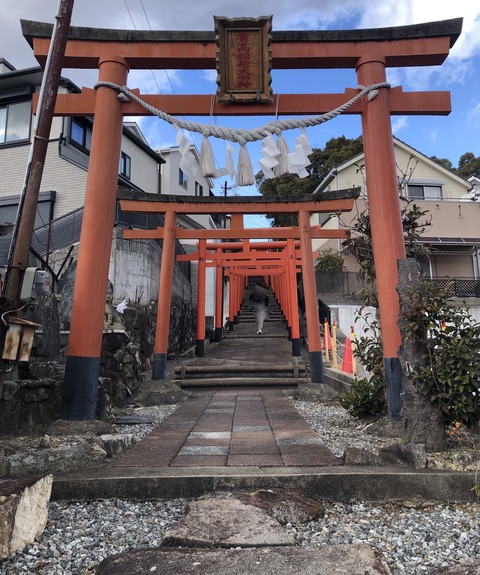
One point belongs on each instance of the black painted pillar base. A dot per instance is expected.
(394, 379)
(230, 325)
(316, 367)
(296, 347)
(200, 348)
(289, 333)
(218, 334)
(159, 366)
(235, 319)
(79, 392)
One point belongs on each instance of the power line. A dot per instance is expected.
(192, 134)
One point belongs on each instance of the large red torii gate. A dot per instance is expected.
(115, 52)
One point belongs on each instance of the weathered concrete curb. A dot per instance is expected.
(329, 483)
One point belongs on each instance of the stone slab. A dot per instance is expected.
(323, 560)
(23, 511)
(225, 521)
(133, 419)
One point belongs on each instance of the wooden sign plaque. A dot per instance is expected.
(244, 59)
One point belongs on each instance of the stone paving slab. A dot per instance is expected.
(322, 560)
(254, 427)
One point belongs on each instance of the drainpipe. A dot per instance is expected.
(325, 182)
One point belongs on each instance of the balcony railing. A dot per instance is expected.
(461, 287)
(346, 283)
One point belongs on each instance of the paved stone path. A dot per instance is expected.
(233, 426)
(250, 427)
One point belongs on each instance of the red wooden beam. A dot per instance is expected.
(251, 233)
(242, 206)
(416, 103)
(201, 54)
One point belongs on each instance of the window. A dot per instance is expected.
(182, 178)
(81, 134)
(125, 165)
(425, 191)
(198, 189)
(15, 121)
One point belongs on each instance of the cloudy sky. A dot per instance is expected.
(445, 137)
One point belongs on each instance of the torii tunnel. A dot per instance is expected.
(277, 259)
(115, 52)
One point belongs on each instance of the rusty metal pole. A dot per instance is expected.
(27, 208)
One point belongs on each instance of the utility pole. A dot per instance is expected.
(25, 221)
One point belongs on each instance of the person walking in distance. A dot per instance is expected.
(258, 301)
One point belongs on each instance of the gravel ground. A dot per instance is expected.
(414, 538)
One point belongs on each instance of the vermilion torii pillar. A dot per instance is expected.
(86, 329)
(367, 51)
(386, 225)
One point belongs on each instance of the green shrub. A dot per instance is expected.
(367, 396)
(328, 261)
(451, 374)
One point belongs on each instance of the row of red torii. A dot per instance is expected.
(286, 251)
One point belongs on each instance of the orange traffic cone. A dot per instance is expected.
(347, 364)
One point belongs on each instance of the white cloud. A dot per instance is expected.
(398, 123)
(474, 115)
(433, 135)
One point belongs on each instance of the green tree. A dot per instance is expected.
(328, 261)
(469, 165)
(445, 163)
(359, 245)
(336, 152)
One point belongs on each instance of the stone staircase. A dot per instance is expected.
(248, 316)
(246, 360)
(239, 376)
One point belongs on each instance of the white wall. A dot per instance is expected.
(345, 316)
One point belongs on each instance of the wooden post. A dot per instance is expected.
(219, 298)
(311, 301)
(292, 288)
(385, 220)
(201, 287)
(82, 366)
(231, 303)
(160, 350)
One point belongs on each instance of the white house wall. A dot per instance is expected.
(144, 168)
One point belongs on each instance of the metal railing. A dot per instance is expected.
(459, 287)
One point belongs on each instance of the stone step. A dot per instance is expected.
(221, 371)
(242, 382)
(234, 335)
(338, 380)
(343, 559)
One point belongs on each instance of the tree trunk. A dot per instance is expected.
(424, 421)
